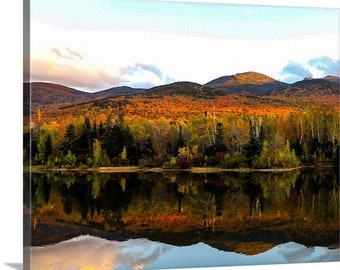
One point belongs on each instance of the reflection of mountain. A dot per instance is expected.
(121, 206)
(87, 252)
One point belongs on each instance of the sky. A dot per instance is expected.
(94, 45)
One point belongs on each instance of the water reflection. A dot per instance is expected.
(246, 213)
(87, 252)
(243, 212)
(177, 200)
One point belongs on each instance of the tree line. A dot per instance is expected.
(228, 141)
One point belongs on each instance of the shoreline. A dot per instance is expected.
(257, 234)
(134, 169)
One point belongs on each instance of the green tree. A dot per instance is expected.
(265, 160)
(69, 139)
(99, 156)
(252, 149)
(287, 157)
(70, 159)
(45, 148)
(179, 142)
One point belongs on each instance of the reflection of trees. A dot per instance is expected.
(216, 203)
(111, 199)
(254, 192)
(76, 196)
(40, 188)
(276, 188)
(316, 194)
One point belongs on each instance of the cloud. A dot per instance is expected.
(316, 67)
(67, 53)
(72, 76)
(294, 71)
(138, 75)
(326, 64)
(142, 75)
(138, 67)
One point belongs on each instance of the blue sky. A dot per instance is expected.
(96, 44)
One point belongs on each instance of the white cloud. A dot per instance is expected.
(326, 65)
(316, 67)
(181, 57)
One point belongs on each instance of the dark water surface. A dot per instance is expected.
(226, 214)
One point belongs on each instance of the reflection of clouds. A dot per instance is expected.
(78, 253)
(88, 252)
(296, 253)
(138, 253)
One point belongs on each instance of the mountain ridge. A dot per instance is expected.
(248, 83)
(184, 88)
(308, 87)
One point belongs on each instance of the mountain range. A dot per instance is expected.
(248, 83)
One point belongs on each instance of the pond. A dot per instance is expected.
(146, 220)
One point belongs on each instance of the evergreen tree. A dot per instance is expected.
(116, 137)
(220, 144)
(45, 148)
(252, 149)
(101, 130)
(69, 140)
(179, 142)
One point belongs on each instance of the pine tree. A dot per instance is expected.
(179, 142)
(69, 139)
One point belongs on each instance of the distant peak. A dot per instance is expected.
(331, 77)
(308, 79)
(253, 77)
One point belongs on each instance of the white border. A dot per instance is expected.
(11, 129)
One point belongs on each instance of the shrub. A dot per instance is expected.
(235, 160)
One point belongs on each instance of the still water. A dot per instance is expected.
(145, 220)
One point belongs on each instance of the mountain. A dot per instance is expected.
(186, 89)
(114, 91)
(50, 93)
(309, 87)
(248, 82)
(332, 79)
(40, 94)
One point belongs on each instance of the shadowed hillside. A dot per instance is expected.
(45, 94)
(114, 91)
(186, 89)
(309, 88)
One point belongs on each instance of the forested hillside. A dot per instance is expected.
(248, 82)
(183, 125)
